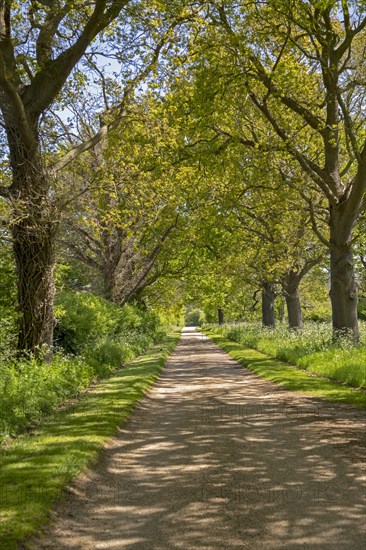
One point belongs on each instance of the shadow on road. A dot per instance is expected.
(216, 457)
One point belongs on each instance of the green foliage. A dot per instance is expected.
(106, 353)
(98, 337)
(102, 332)
(30, 389)
(194, 317)
(7, 334)
(8, 315)
(314, 291)
(311, 349)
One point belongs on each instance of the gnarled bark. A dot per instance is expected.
(29, 85)
(33, 246)
(33, 230)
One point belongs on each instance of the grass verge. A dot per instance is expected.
(290, 377)
(312, 348)
(36, 468)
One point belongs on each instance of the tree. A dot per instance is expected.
(274, 45)
(41, 43)
(132, 202)
(270, 223)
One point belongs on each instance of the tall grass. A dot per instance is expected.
(312, 349)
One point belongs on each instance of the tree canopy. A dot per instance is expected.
(211, 152)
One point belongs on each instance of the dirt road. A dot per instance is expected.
(216, 457)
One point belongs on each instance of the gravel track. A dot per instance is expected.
(217, 458)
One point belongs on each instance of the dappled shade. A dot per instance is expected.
(217, 458)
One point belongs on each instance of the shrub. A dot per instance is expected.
(83, 318)
(92, 338)
(30, 389)
(108, 354)
(86, 320)
(8, 335)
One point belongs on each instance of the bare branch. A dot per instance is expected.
(91, 242)
(85, 146)
(85, 258)
(138, 284)
(51, 77)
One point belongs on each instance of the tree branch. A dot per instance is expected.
(123, 296)
(350, 33)
(83, 256)
(85, 146)
(355, 197)
(313, 221)
(11, 96)
(313, 121)
(348, 126)
(6, 44)
(49, 80)
(120, 109)
(48, 31)
(312, 169)
(309, 264)
(91, 242)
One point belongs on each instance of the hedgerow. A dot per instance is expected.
(92, 339)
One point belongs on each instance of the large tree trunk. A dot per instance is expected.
(294, 312)
(343, 285)
(268, 298)
(33, 232)
(26, 92)
(293, 303)
(35, 259)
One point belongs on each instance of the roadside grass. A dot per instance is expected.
(287, 376)
(312, 349)
(36, 467)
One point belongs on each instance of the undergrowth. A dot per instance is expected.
(312, 349)
(92, 339)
